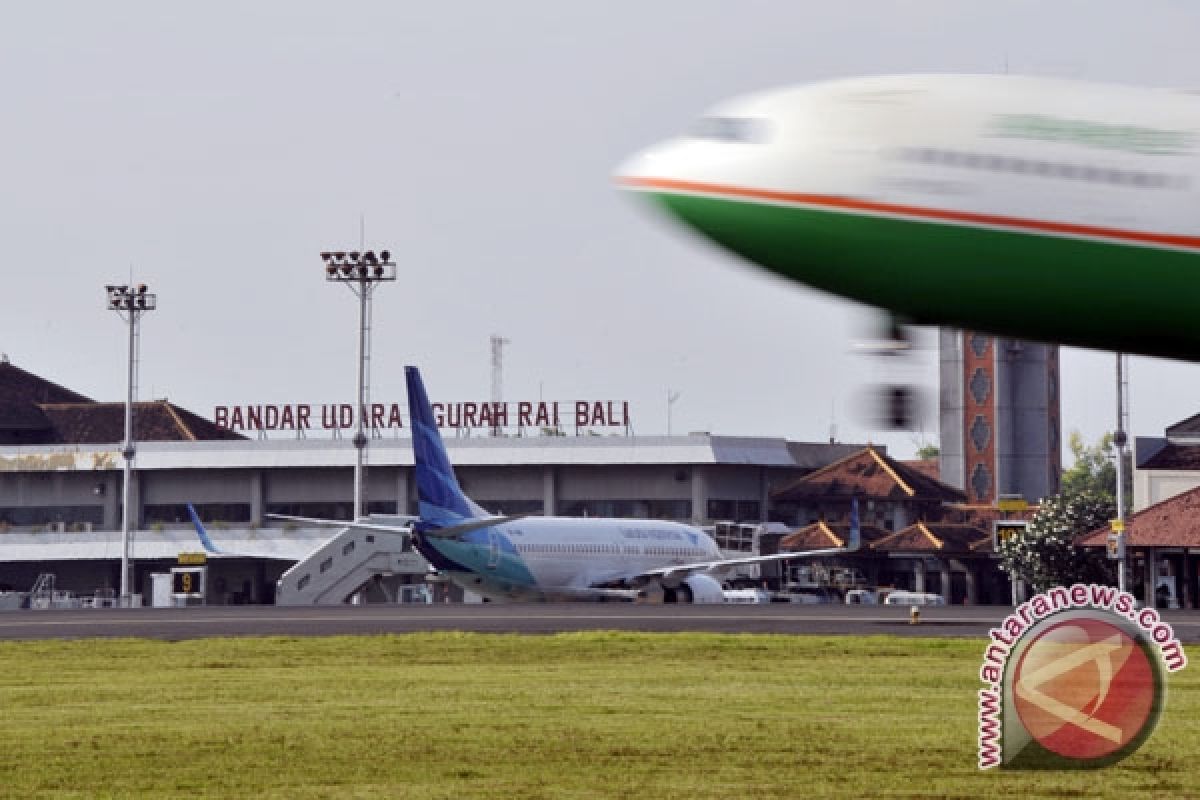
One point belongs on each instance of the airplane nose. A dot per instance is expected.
(634, 172)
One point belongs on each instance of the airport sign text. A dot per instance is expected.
(389, 416)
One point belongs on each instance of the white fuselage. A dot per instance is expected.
(548, 555)
(1047, 149)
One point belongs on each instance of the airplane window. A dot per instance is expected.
(730, 129)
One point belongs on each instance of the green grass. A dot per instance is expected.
(607, 715)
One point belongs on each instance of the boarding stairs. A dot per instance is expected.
(338, 570)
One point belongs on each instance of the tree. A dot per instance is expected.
(926, 451)
(1095, 468)
(1045, 555)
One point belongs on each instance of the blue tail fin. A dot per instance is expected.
(201, 532)
(440, 500)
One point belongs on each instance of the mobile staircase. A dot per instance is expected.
(338, 570)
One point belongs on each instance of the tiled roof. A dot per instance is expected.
(34, 410)
(934, 537)
(1174, 456)
(17, 416)
(19, 386)
(103, 423)
(869, 473)
(21, 421)
(820, 535)
(929, 467)
(1189, 427)
(1175, 522)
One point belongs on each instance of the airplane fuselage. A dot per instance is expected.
(1035, 208)
(539, 558)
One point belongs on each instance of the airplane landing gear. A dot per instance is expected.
(892, 405)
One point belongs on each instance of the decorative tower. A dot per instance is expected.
(999, 415)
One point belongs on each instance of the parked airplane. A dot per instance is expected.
(1036, 208)
(546, 558)
(529, 557)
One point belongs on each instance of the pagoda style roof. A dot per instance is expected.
(19, 386)
(1175, 522)
(823, 535)
(937, 538)
(156, 421)
(1174, 456)
(35, 411)
(869, 473)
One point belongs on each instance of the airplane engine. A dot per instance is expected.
(695, 589)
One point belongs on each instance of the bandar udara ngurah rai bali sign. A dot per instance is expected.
(388, 416)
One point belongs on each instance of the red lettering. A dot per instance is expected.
(221, 416)
(485, 415)
(625, 413)
(598, 413)
(376, 415)
(394, 418)
(345, 416)
(439, 415)
(288, 419)
(500, 415)
(270, 417)
(557, 421)
(302, 414)
(468, 414)
(328, 417)
(237, 421)
(543, 415)
(524, 412)
(254, 417)
(581, 413)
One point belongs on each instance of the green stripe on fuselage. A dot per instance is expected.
(1137, 299)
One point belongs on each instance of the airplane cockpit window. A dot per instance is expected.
(745, 130)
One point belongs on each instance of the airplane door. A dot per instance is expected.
(493, 548)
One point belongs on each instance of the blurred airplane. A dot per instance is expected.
(1033, 208)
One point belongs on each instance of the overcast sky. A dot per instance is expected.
(215, 150)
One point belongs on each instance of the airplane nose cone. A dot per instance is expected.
(635, 172)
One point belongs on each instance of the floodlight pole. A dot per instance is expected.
(361, 272)
(1119, 439)
(130, 302)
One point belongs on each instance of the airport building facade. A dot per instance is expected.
(61, 490)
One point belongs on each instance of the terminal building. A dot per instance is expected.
(61, 492)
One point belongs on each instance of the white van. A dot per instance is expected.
(903, 598)
(862, 597)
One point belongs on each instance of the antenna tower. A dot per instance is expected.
(498, 343)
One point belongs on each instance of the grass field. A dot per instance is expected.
(608, 715)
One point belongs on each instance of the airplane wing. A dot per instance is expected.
(853, 543)
(683, 570)
(449, 532)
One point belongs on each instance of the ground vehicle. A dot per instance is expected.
(904, 598)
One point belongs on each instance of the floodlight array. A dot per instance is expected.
(130, 298)
(354, 266)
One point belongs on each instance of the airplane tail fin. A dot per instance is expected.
(854, 540)
(440, 500)
(205, 540)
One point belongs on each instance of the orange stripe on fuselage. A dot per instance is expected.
(944, 215)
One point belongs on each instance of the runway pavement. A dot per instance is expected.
(201, 622)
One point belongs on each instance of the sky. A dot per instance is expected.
(214, 150)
